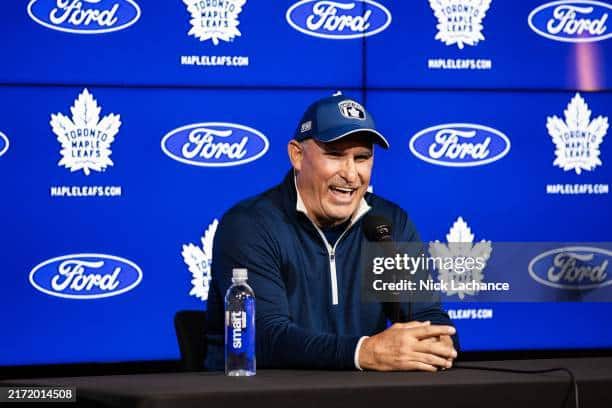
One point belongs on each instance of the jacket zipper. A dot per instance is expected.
(333, 276)
(331, 251)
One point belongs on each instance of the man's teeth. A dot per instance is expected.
(343, 189)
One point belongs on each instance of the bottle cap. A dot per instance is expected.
(240, 273)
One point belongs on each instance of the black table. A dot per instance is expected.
(458, 387)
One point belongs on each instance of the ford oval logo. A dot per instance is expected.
(338, 20)
(84, 16)
(4, 143)
(86, 276)
(575, 268)
(214, 144)
(571, 21)
(459, 145)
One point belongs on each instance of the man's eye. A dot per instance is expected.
(334, 154)
(364, 157)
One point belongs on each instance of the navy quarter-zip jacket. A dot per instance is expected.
(309, 312)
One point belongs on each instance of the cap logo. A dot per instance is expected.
(306, 126)
(352, 110)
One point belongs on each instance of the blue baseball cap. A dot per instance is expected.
(335, 117)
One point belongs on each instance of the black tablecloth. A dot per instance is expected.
(458, 387)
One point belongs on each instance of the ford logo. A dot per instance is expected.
(575, 268)
(214, 144)
(338, 20)
(4, 143)
(571, 21)
(84, 16)
(459, 145)
(86, 276)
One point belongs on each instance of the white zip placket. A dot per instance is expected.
(331, 250)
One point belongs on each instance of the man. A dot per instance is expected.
(301, 243)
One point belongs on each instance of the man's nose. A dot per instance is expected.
(349, 171)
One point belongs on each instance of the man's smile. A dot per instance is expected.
(343, 195)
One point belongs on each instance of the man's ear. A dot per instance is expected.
(296, 154)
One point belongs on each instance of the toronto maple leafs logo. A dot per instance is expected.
(214, 20)
(459, 21)
(85, 139)
(198, 260)
(577, 139)
(460, 245)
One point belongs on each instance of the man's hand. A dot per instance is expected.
(446, 339)
(409, 346)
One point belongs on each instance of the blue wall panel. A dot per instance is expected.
(155, 86)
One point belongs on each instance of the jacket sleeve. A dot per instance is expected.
(428, 306)
(245, 241)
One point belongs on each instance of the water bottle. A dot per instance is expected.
(239, 326)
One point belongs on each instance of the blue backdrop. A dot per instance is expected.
(92, 106)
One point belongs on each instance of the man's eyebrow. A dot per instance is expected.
(332, 149)
(365, 152)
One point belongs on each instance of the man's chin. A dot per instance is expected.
(339, 217)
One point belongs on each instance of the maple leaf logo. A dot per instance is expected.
(460, 245)
(85, 138)
(577, 139)
(198, 260)
(217, 21)
(459, 21)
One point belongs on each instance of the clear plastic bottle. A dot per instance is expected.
(239, 326)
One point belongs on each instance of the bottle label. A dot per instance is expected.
(237, 326)
(240, 330)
